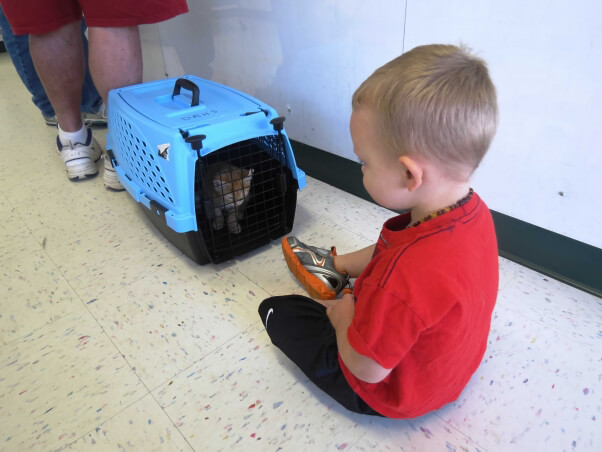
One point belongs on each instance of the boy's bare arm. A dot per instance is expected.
(354, 263)
(340, 314)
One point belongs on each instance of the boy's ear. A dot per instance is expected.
(414, 172)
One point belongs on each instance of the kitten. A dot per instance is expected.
(230, 188)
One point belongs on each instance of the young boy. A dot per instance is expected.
(415, 328)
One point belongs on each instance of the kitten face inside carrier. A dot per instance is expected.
(230, 194)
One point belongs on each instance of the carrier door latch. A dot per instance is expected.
(195, 141)
(278, 123)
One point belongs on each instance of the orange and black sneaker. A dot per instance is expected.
(314, 268)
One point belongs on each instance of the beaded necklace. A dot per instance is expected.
(439, 212)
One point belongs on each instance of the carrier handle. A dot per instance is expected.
(190, 86)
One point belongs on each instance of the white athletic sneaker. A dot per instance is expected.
(51, 121)
(97, 119)
(109, 176)
(79, 158)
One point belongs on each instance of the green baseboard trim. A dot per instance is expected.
(557, 256)
(337, 171)
(560, 257)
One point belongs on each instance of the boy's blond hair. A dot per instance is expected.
(436, 101)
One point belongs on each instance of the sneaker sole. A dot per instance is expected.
(95, 122)
(83, 168)
(110, 179)
(312, 284)
(114, 187)
(112, 182)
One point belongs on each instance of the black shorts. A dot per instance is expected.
(299, 327)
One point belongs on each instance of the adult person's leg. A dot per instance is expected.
(115, 57)
(58, 56)
(59, 61)
(58, 53)
(115, 60)
(17, 47)
(92, 105)
(115, 51)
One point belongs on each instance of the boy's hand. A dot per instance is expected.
(341, 312)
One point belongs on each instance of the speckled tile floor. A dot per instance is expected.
(111, 339)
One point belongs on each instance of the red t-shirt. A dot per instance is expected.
(423, 308)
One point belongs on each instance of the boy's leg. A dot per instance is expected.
(299, 327)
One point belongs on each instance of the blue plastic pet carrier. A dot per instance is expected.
(165, 136)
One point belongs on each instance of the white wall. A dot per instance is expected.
(306, 58)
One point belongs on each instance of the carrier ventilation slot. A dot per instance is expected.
(144, 167)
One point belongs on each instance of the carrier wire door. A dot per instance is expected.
(270, 209)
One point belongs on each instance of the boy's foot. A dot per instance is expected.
(80, 158)
(314, 268)
(109, 177)
(97, 119)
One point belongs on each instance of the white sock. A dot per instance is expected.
(81, 136)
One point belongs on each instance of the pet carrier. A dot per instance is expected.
(212, 167)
